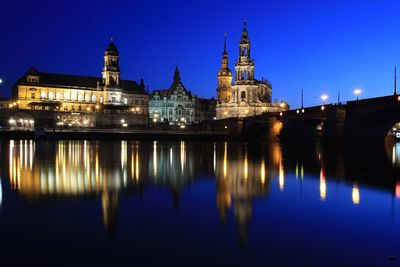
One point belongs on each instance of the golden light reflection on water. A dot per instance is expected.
(281, 176)
(68, 169)
(262, 172)
(183, 155)
(225, 159)
(322, 184)
(245, 166)
(355, 194)
(155, 158)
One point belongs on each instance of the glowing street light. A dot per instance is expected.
(1, 81)
(357, 92)
(324, 98)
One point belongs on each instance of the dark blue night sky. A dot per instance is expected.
(321, 46)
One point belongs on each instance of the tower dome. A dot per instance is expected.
(112, 49)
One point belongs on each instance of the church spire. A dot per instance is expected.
(244, 31)
(224, 77)
(225, 53)
(177, 75)
(224, 62)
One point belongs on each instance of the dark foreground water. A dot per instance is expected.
(197, 204)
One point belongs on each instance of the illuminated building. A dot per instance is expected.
(174, 105)
(72, 97)
(248, 96)
(177, 105)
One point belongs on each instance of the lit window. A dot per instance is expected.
(43, 94)
(66, 95)
(80, 97)
(74, 96)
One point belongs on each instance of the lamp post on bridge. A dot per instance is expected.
(357, 92)
(324, 98)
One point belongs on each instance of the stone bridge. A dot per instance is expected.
(367, 120)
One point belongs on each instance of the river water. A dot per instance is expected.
(135, 203)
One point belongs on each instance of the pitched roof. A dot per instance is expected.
(176, 82)
(65, 80)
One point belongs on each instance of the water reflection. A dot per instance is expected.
(243, 173)
(355, 194)
(247, 179)
(322, 184)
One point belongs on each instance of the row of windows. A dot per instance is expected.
(170, 105)
(82, 98)
(174, 97)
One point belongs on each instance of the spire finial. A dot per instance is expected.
(244, 32)
(112, 39)
(225, 42)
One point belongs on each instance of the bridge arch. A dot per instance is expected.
(372, 120)
(300, 129)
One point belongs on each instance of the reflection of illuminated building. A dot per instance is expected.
(74, 168)
(240, 179)
(281, 176)
(355, 194)
(109, 203)
(322, 184)
(300, 170)
(176, 164)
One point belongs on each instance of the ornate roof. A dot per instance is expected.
(176, 83)
(112, 49)
(71, 81)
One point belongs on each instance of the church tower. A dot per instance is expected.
(247, 96)
(224, 77)
(111, 71)
(244, 65)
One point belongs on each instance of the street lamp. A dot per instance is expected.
(1, 81)
(357, 92)
(324, 98)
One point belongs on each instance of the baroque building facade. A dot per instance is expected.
(177, 105)
(77, 99)
(248, 96)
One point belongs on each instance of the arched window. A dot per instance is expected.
(245, 75)
(243, 95)
(244, 51)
